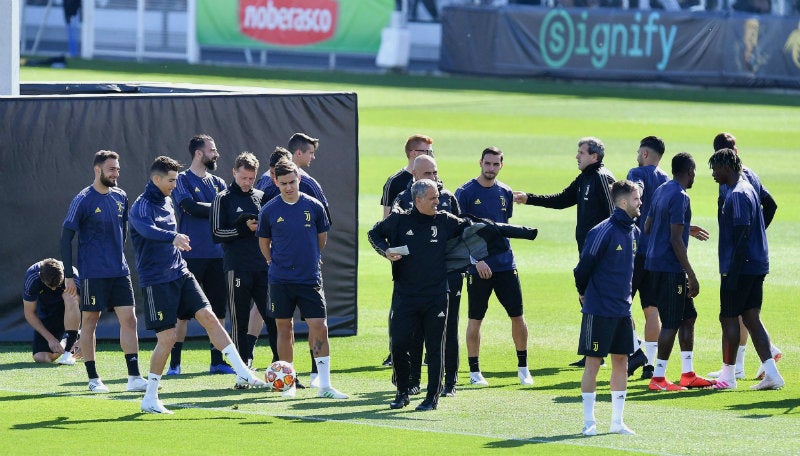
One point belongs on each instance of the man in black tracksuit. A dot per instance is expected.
(234, 219)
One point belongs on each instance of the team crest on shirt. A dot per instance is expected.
(503, 202)
(634, 246)
(680, 289)
(595, 346)
(307, 215)
(434, 232)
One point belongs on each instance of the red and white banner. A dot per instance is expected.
(289, 22)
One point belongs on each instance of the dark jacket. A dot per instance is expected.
(229, 214)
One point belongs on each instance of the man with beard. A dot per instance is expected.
(99, 214)
(194, 193)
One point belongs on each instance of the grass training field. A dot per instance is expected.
(47, 409)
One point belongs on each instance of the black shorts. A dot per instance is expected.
(98, 295)
(749, 294)
(603, 335)
(506, 287)
(674, 305)
(209, 274)
(641, 283)
(284, 298)
(166, 302)
(53, 324)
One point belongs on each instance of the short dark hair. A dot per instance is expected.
(724, 141)
(493, 151)
(682, 163)
(653, 143)
(726, 157)
(162, 165)
(298, 140)
(101, 156)
(284, 167)
(51, 272)
(622, 188)
(595, 146)
(198, 142)
(246, 160)
(279, 154)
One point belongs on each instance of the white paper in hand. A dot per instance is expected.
(400, 250)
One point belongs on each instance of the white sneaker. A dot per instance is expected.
(525, 377)
(476, 378)
(739, 374)
(620, 429)
(331, 393)
(290, 393)
(137, 384)
(769, 383)
(589, 429)
(314, 380)
(151, 405)
(723, 384)
(97, 386)
(66, 359)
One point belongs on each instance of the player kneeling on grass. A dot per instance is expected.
(49, 309)
(292, 231)
(170, 290)
(603, 278)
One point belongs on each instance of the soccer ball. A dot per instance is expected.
(280, 376)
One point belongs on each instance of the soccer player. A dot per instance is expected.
(672, 277)
(292, 232)
(769, 207)
(195, 191)
(590, 192)
(49, 309)
(649, 176)
(99, 214)
(487, 197)
(234, 218)
(743, 264)
(170, 290)
(603, 279)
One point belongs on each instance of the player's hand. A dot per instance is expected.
(694, 286)
(69, 286)
(55, 346)
(520, 197)
(252, 224)
(484, 271)
(181, 241)
(699, 233)
(393, 256)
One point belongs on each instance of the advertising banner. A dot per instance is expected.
(350, 26)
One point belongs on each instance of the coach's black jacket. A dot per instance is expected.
(229, 214)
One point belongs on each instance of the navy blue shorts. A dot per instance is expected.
(284, 298)
(166, 302)
(209, 274)
(603, 335)
(749, 294)
(641, 283)
(506, 287)
(98, 295)
(674, 305)
(55, 325)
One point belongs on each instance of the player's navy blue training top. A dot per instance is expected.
(153, 230)
(201, 190)
(267, 185)
(308, 185)
(742, 208)
(293, 229)
(50, 303)
(100, 221)
(495, 203)
(768, 204)
(605, 269)
(649, 178)
(670, 206)
(229, 213)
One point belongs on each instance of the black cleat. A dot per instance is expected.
(647, 372)
(400, 401)
(582, 362)
(414, 390)
(427, 405)
(388, 361)
(449, 390)
(635, 361)
(299, 385)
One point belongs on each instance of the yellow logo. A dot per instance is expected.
(502, 202)
(280, 219)
(120, 207)
(197, 189)
(160, 315)
(792, 46)
(91, 301)
(680, 289)
(97, 211)
(619, 247)
(308, 215)
(478, 201)
(595, 346)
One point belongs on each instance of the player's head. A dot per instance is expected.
(106, 168)
(277, 155)
(491, 163)
(245, 168)
(590, 151)
(683, 169)
(651, 149)
(425, 168)
(164, 174)
(419, 145)
(426, 196)
(725, 141)
(287, 179)
(626, 196)
(725, 166)
(51, 272)
(203, 148)
(303, 149)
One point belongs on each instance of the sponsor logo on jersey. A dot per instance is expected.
(239, 209)
(477, 201)
(619, 247)
(280, 219)
(97, 211)
(410, 233)
(289, 22)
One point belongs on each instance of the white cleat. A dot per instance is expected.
(97, 386)
(776, 355)
(150, 405)
(621, 429)
(247, 382)
(769, 383)
(589, 429)
(723, 384)
(290, 393)
(476, 378)
(524, 376)
(716, 374)
(66, 359)
(136, 384)
(314, 380)
(332, 393)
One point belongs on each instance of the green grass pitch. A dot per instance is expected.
(46, 409)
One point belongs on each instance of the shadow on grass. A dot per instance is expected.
(789, 407)
(66, 423)
(30, 365)
(518, 443)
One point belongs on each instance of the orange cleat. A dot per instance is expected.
(692, 380)
(662, 384)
